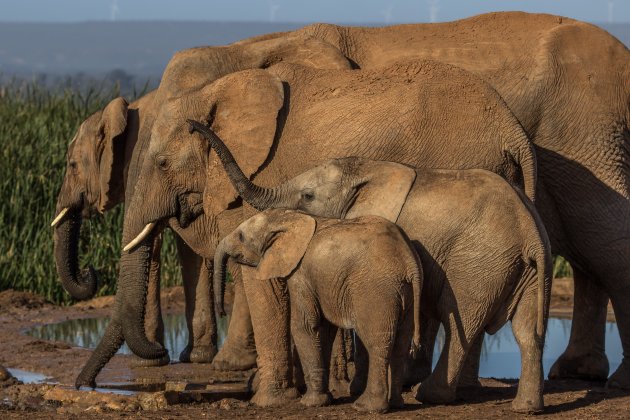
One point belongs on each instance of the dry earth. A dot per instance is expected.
(206, 391)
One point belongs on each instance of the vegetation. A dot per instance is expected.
(36, 128)
(37, 125)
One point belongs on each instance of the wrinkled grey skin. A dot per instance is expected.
(467, 225)
(361, 274)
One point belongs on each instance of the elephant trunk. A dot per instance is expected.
(221, 257)
(258, 197)
(80, 285)
(106, 349)
(132, 290)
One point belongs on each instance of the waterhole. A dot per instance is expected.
(500, 357)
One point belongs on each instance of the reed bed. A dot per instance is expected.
(36, 126)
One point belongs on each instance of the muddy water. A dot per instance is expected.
(500, 357)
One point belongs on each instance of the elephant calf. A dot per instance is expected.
(485, 251)
(361, 273)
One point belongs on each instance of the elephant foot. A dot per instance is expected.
(274, 397)
(621, 378)
(139, 362)
(431, 393)
(233, 358)
(371, 403)
(203, 354)
(590, 367)
(528, 405)
(316, 399)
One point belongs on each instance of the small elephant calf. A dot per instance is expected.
(361, 273)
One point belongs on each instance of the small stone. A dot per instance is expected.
(5, 375)
(153, 401)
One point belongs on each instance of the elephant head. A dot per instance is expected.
(273, 241)
(94, 182)
(339, 188)
(179, 180)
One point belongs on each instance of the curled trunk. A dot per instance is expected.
(220, 263)
(258, 197)
(80, 285)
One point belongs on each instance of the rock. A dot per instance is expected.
(5, 375)
(153, 401)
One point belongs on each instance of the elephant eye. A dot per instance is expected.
(73, 164)
(240, 237)
(308, 196)
(161, 162)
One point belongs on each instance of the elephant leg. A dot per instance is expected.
(200, 316)
(239, 350)
(375, 398)
(270, 321)
(359, 380)
(584, 357)
(470, 373)
(311, 336)
(529, 397)
(419, 368)
(153, 321)
(440, 387)
(399, 360)
(339, 378)
(621, 305)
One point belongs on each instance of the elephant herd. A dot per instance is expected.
(385, 180)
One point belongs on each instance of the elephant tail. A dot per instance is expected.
(416, 276)
(542, 259)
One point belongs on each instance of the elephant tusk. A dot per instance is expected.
(141, 237)
(60, 217)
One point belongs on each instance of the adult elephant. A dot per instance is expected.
(130, 144)
(95, 181)
(568, 83)
(281, 121)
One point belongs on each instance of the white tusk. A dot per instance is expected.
(145, 232)
(59, 217)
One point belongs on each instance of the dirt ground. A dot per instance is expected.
(197, 391)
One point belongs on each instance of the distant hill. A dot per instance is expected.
(127, 51)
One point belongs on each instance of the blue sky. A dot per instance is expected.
(357, 11)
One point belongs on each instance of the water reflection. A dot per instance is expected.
(87, 333)
(500, 357)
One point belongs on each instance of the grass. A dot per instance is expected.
(36, 126)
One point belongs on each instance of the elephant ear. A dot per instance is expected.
(112, 146)
(382, 191)
(244, 111)
(286, 246)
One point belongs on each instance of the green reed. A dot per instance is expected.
(36, 126)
